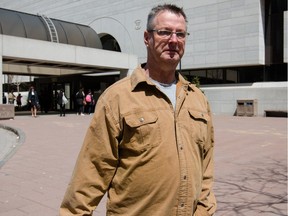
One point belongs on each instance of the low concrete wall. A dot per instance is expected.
(269, 96)
(7, 111)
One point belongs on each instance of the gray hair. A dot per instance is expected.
(164, 7)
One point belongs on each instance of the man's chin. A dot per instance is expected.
(172, 59)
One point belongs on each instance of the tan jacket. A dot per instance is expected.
(151, 159)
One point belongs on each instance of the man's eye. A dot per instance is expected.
(180, 34)
(164, 33)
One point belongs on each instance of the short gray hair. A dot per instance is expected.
(164, 7)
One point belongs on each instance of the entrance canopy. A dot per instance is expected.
(24, 56)
(30, 57)
(35, 45)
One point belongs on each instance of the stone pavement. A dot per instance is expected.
(250, 164)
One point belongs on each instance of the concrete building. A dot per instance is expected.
(237, 48)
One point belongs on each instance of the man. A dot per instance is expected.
(150, 142)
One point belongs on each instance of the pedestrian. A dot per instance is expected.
(61, 100)
(89, 102)
(33, 101)
(150, 142)
(18, 100)
(80, 101)
(11, 97)
(4, 99)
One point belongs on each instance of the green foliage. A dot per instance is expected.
(196, 81)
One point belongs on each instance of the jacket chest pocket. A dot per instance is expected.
(198, 125)
(141, 131)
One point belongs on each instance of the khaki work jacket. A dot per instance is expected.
(151, 159)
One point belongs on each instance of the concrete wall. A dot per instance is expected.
(223, 32)
(269, 95)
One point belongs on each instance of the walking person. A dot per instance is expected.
(61, 100)
(89, 102)
(80, 101)
(18, 100)
(150, 142)
(33, 101)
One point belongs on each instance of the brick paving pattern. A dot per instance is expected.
(250, 164)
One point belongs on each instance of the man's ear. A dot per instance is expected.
(146, 38)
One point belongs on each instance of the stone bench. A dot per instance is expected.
(7, 111)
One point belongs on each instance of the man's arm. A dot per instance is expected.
(207, 202)
(95, 166)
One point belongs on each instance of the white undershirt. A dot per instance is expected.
(168, 89)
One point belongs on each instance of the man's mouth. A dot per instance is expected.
(171, 51)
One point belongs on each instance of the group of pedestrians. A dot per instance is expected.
(33, 100)
(12, 98)
(84, 102)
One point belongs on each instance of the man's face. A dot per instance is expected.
(166, 49)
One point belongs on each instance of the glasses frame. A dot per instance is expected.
(164, 33)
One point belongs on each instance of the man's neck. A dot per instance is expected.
(160, 74)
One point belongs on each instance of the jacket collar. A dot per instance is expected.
(138, 76)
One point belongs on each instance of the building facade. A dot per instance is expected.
(236, 48)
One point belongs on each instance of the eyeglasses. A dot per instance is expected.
(167, 33)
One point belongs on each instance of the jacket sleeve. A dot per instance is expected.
(207, 203)
(95, 166)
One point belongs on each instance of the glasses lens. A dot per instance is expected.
(167, 34)
(181, 34)
(164, 33)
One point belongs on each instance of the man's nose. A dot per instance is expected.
(173, 37)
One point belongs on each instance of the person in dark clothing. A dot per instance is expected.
(18, 100)
(4, 99)
(61, 100)
(34, 101)
(80, 100)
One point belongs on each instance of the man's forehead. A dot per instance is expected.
(167, 17)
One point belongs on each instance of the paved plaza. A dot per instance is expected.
(37, 161)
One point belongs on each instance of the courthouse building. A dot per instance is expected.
(236, 48)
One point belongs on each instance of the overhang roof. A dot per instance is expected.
(27, 47)
(39, 27)
(24, 56)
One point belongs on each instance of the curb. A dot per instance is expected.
(20, 136)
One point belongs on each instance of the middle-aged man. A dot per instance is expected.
(150, 142)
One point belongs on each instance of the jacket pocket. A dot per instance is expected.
(141, 131)
(198, 124)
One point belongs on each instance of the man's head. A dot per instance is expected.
(165, 35)
(160, 8)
